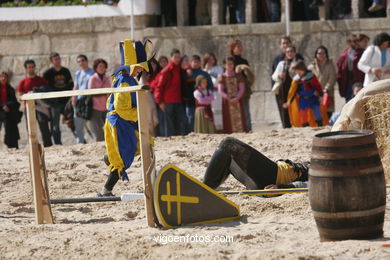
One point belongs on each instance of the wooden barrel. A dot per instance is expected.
(347, 188)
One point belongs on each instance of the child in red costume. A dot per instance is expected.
(308, 89)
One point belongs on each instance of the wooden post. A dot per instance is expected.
(42, 205)
(147, 155)
(37, 162)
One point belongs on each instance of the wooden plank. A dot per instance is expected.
(146, 156)
(40, 216)
(82, 92)
(47, 213)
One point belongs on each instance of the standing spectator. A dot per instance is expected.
(28, 84)
(284, 42)
(187, 90)
(9, 112)
(168, 95)
(59, 78)
(347, 70)
(236, 11)
(231, 87)
(31, 81)
(283, 76)
(203, 114)
(154, 77)
(249, 77)
(162, 129)
(236, 50)
(186, 70)
(81, 82)
(240, 11)
(306, 89)
(196, 70)
(210, 66)
(188, 93)
(98, 117)
(375, 61)
(325, 72)
(273, 7)
(362, 41)
(163, 61)
(185, 64)
(281, 97)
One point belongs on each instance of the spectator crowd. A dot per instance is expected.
(79, 113)
(234, 11)
(197, 94)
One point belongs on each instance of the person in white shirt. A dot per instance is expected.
(210, 65)
(375, 61)
(81, 82)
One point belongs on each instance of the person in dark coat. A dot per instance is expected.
(10, 115)
(348, 72)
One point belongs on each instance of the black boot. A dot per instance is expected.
(319, 122)
(218, 169)
(305, 124)
(112, 179)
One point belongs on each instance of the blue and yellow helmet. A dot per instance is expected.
(134, 54)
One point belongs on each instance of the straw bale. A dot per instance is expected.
(377, 112)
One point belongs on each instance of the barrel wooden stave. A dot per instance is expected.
(330, 195)
(347, 189)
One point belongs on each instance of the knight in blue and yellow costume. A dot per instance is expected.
(121, 127)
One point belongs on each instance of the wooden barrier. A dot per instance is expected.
(43, 212)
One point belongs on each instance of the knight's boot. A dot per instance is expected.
(112, 179)
(218, 169)
(319, 122)
(305, 125)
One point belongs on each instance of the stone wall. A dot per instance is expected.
(95, 37)
(99, 37)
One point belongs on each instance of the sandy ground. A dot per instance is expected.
(270, 228)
